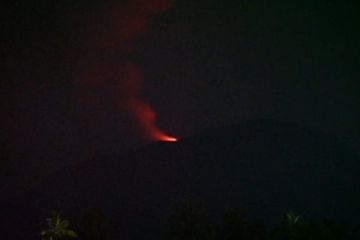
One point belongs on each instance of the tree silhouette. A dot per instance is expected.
(93, 226)
(236, 227)
(188, 221)
(293, 227)
(57, 228)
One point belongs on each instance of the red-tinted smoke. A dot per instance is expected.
(112, 72)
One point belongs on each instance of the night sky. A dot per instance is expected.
(81, 78)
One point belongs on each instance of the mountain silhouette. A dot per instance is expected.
(265, 168)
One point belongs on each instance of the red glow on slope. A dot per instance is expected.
(169, 139)
(145, 116)
(158, 135)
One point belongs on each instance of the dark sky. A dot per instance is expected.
(198, 64)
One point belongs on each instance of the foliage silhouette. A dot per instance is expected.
(93, 226)
(188, 221)
(236, 227)
(191, 221)
(57, 228)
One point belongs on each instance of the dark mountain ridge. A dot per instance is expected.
(265, 168)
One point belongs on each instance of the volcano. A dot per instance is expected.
(265, 168)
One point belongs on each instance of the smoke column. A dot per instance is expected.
(111, 70)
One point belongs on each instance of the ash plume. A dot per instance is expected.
(112, 73)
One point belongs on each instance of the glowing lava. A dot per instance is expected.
(156, 134)
(145, 117)
(166, 138)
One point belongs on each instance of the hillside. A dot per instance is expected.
(264, 168)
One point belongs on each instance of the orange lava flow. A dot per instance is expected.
(168, 139)
(158, 135)
(146, 117)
